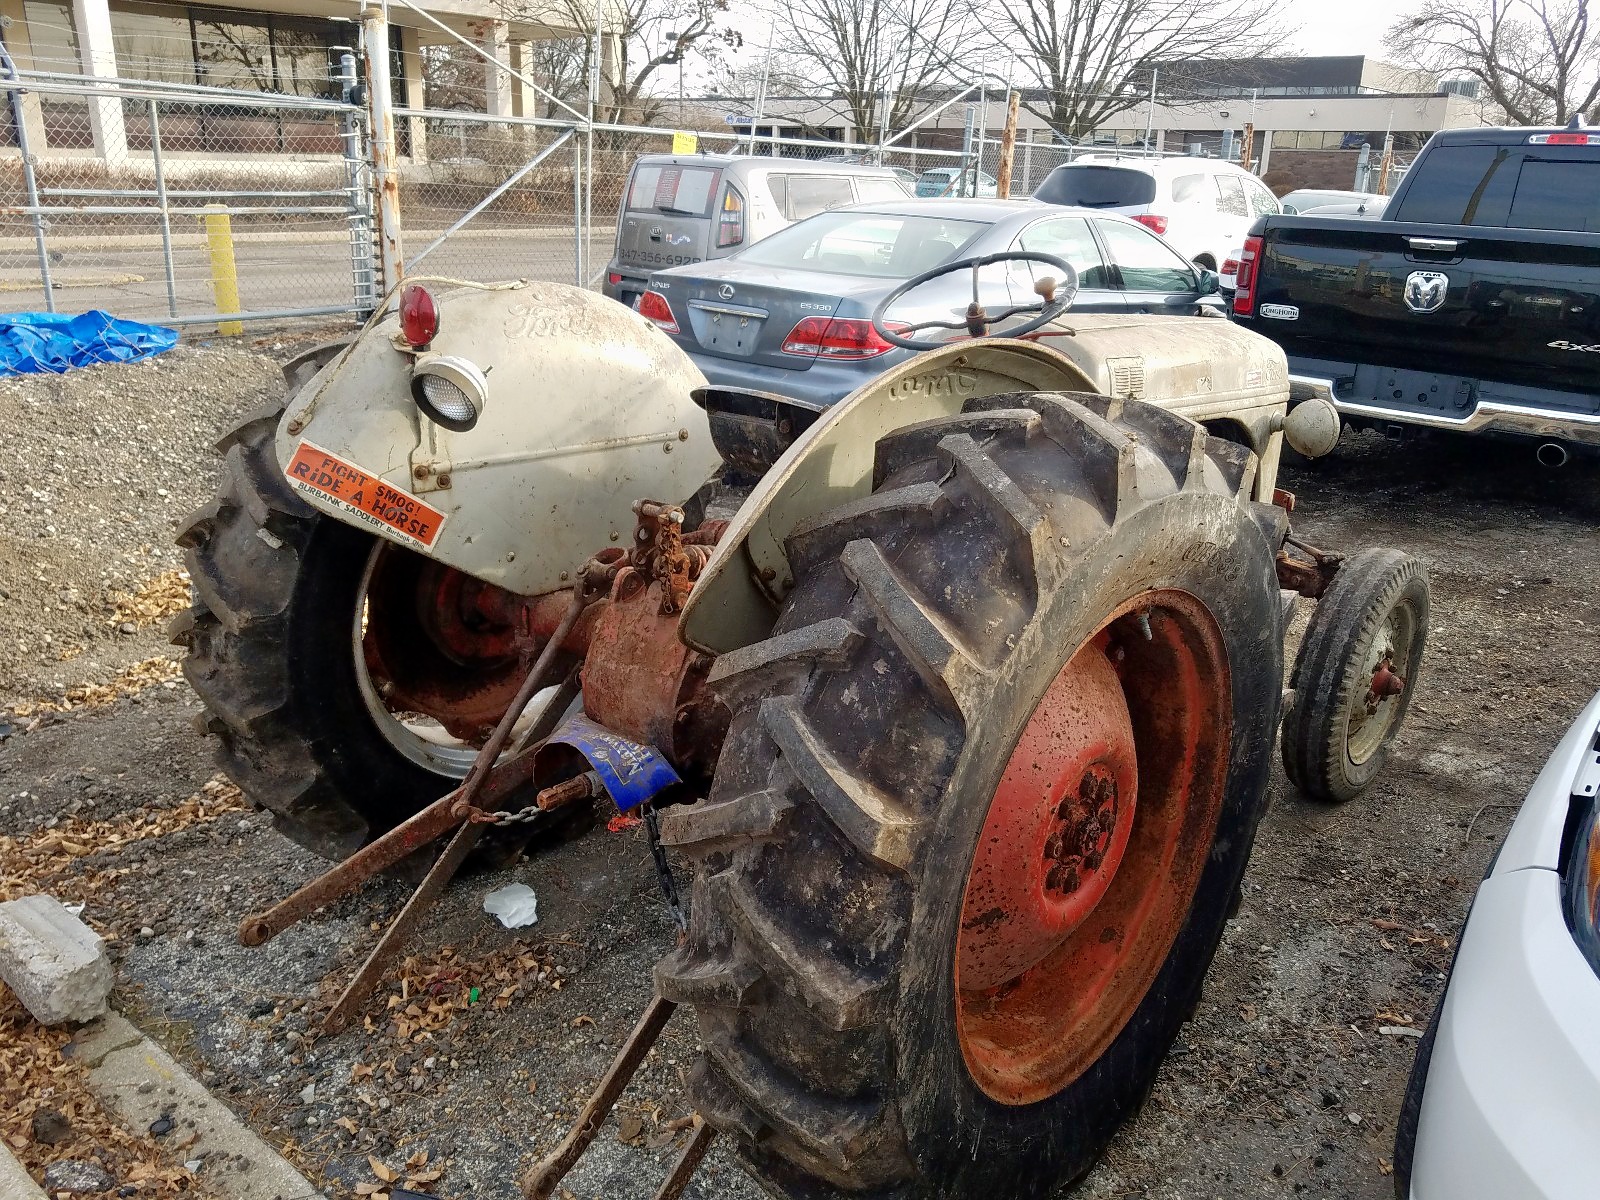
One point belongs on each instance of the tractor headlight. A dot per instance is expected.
(1312, 427)
(449, 390)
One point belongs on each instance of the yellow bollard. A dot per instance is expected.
(224, 272)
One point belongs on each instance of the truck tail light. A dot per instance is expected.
(836, 338)
(614, 278)
(1151, 221)
(653, 307)
(1244, 286)
(730, 222)
(1565, 139)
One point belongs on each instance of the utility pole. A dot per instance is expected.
(1150, 114)
(983, 129)
(1008, 146)
(677, 51)
(1247, 150)
(966, 149)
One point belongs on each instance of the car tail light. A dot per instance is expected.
(1244, 285)
(653, 307)
(730, 222)
(1151, 221)
(1230, 266)
(836, 338)
(614, 278)
(419, 316)
(1581, 881)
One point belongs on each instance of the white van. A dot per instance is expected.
(688, 208)
(1202, 206)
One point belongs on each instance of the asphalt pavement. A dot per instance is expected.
(125, 274)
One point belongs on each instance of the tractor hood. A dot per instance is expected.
(587, 409)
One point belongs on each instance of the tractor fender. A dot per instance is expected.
(588, 410)
(736, 600)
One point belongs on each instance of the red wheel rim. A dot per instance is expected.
(1094, 843)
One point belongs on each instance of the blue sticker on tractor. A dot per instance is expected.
(631, 773)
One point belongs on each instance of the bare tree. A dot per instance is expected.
(860, 50)
(452, 78)
(782, 75)
(1538, 60)
(1092, 59)
(650, 35)
(561, 67)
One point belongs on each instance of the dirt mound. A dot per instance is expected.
(100, 464)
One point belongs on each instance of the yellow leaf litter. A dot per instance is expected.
(154, 600)
(149, 673)
(34, 1073)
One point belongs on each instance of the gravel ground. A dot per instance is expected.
(1282, 1084)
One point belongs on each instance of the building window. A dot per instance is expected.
(1405, 141)
(153, 43)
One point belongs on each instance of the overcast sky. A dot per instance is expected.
(1326, 27)
(1341, 26)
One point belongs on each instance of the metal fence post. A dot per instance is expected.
(360, 198)
(380, 131)
(19, 119)
(166, 211)
(578, 246)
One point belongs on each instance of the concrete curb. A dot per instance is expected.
(140, 1082)
(15, 1183)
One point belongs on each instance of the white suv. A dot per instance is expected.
(1202, 206)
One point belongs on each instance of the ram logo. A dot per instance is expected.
(1425, 290)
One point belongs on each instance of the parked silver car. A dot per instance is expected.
(793, 314)
(1326, 202)
(687, 208)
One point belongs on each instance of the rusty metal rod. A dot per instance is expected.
(440, 874)
(688, 1162)
(432, 822)
(540, 1181)
(428, 891)
(481, 765)
(583, 787)
(378, 855)
(409, 836)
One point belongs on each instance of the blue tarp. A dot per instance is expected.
(50, 343)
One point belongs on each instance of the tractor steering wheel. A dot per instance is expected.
(1054, 299)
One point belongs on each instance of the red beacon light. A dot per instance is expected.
(419, 316)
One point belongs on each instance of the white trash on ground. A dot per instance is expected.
(515, 905)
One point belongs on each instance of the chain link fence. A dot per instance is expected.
(181, 204)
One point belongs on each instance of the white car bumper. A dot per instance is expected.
(1511, 1104)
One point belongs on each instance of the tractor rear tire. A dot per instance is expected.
(1378, 595)
(269, 641)
(843, 883)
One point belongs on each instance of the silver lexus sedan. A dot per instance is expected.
(792, 313)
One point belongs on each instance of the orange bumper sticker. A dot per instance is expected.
(364, 496)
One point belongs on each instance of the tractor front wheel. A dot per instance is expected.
(988, 792)
(1354, 674)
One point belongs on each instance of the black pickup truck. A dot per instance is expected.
(1472, 304)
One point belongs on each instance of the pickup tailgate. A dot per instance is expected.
(1509, 305)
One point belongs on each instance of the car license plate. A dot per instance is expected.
(731, 334)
